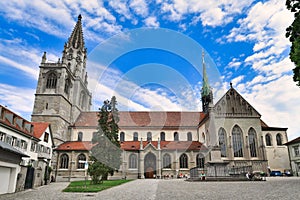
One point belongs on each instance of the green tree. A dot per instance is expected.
(293, 33)
(106, 153)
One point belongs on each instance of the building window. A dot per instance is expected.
(2, 136)
(80, 163)
(237, 141)
(176, 138)
(33, 147)
(149, 136)
(135, 136)
(268, 140)
(122, 137)
(64, 161)
(279, 139)
(51, 81)
(252, 142)
(79, 137)
(222, 141)
(183, 161)
(162, 136)
(67, 86)
(189, 136)
(132, 161)
(200, 160)
(296, 150)
(46, 137)
(167, 161)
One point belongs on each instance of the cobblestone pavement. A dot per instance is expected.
(274, 188)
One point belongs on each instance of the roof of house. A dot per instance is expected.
(294, 141)
(146, 119)
(75, 146)
(134, 145)
(39, 128)
(164, 145)
(16, 122)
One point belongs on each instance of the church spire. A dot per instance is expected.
(205, 87)
(206, 93)
(76, 39)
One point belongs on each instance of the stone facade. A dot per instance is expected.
(229, 134)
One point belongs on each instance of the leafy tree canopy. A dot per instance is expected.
(106, 153)
(293, 33)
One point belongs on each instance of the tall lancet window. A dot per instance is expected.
(222, 141)
(252, 142)
(67, 86)
(237, 141)
(51, 81)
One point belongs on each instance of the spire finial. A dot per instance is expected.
(230, 84)
(79, 17)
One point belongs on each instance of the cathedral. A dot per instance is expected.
(227, 137)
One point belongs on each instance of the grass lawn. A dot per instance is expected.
(80, 186)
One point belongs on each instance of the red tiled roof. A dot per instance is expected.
(294, 141)
(263, 124)
(165, 145)
(13, 124)
(146, 119)
(75, 146)
(39, 128)
(134, 145)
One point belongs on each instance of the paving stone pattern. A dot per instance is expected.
(274, 188)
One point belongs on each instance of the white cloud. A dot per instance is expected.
(274, 101)
(140, 7)
(210, 13)
(151, 22)
(17, 99)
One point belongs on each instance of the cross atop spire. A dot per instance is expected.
(76, 39)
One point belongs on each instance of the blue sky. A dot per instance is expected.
(148, 53)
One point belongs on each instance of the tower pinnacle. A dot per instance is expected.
(206, 93)
(76, 39)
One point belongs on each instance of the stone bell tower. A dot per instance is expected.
(62, 92)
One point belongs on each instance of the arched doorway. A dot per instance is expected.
(150, 165)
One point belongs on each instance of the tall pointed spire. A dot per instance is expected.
(206, 93)
(76, 39)
(205, 86)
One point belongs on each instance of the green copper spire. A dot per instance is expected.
(205, 87)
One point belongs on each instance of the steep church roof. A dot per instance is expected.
(146, 119)
(233, 104)
(76, 39)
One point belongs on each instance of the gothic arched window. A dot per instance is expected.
(167, 161)
(189, 136)
(122, 137)
(183, 161)
(81, 157)
(132, 161)
(162, 136)
(237, 141)
(268, 140)
(67, 86)
(135, 136)
(200, 160)
(279, 139)
(252, 142)
(222, 141)
(149, 136)
(79, 138)
(176, 138)
(64, 161)
(51, 81)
